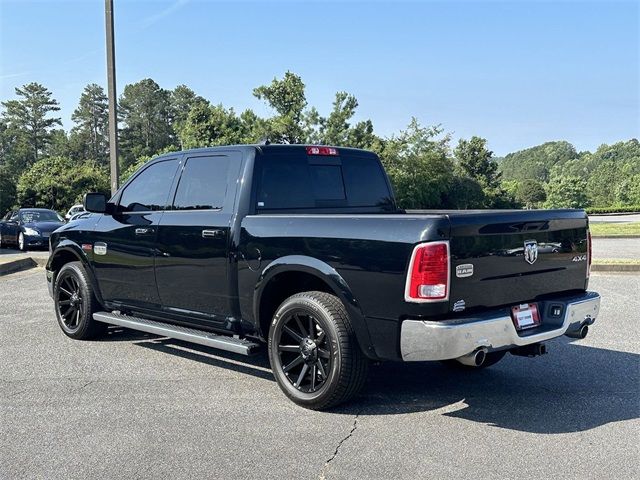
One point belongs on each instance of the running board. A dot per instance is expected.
(230, 344)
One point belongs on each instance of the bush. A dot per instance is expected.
(628, 209)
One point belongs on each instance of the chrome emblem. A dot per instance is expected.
(464, 270)
(530, 251)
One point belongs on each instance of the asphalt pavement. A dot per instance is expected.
(136, 406)
(607, 248)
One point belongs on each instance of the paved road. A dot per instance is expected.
(616, 248)
(615, 218)
(136, 406)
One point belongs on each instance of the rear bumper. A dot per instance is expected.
(423, 340)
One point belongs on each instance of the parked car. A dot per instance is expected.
(28, 227)
(73, 211)
(303, 248)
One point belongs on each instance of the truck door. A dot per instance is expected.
(124, 243)
(192, 259)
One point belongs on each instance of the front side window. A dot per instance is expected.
(203, 184)
(150, 189)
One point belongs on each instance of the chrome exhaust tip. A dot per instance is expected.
(475, 358)
(580, 333)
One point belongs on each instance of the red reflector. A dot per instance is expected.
(87, 246)
(428, 277)
(322, 151)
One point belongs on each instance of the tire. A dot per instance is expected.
(317, 333)
(22, 246)
(491, 359)
(75, 303)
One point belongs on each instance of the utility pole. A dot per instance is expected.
(111, 90)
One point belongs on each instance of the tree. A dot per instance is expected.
(287, 98)
(29, 116)
(181, 101)
(566, 192)
(59, 182)
(207, 126)
(475, 161)
(464, 192)
(92, 121)
(419, 166)
(531, 194)
(7, 190)
(536, 162)
(144, 112)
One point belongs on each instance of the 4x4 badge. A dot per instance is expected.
(530, 251)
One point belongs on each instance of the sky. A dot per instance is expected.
(516, 73)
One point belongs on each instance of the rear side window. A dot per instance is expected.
(290, 181)
(150, 189)
(203, 184)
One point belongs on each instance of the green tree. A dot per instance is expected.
(566, 192)
(464, 193)
(181, 101)
(418, 163)
(92, 120)
(531, 194)
(288, 99)
(535, 163)
(475, 160)
(59, 182)
(145, 115)
(29, 117)
(207, 126)
(7, 190)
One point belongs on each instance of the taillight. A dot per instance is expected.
(588, 253)
(322, 151)
(428, 275)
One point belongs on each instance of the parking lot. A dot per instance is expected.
(138, 406)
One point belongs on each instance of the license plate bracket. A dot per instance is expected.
(525, 316)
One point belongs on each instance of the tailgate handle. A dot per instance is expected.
(212, 233)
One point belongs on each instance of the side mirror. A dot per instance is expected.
(95, 202)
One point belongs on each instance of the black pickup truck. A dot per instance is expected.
(304, 248)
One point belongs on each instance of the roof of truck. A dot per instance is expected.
(261, 147)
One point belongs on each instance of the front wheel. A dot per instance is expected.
(76, 303)
(313, 351)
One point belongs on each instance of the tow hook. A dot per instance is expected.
(533, 350)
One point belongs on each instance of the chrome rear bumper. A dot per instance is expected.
(423, 340)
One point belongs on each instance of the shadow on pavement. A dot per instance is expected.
(574, 388)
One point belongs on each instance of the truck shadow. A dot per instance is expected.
(573, 389)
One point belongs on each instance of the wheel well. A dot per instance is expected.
(281, 287)
(61, 259)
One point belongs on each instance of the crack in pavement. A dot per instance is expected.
(335, 453)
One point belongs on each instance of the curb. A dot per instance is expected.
(21, 264)
(615, 267)
(595, 237)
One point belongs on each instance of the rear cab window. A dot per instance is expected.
(288, 179)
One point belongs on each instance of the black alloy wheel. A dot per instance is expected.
(75, 303)
(303, 350)
(313, 351)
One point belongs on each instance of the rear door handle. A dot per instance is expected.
(212, 233)
(144, 231)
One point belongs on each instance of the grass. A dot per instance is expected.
(610, 228)
(616, 261)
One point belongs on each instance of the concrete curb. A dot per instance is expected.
(595, 237)
(615, 267)
(21, 264)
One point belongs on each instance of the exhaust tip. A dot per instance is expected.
(481, 356)
(584, 330)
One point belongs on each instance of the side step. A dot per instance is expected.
(230, 344)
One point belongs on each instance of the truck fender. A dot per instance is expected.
(328, 275)
(67, 247)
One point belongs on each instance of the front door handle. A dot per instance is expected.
(144, 231)
(212, 233)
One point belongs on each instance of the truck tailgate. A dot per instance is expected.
(508, 257)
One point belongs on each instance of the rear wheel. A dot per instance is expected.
(75, 303)
(491, 358)
(314, 353)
